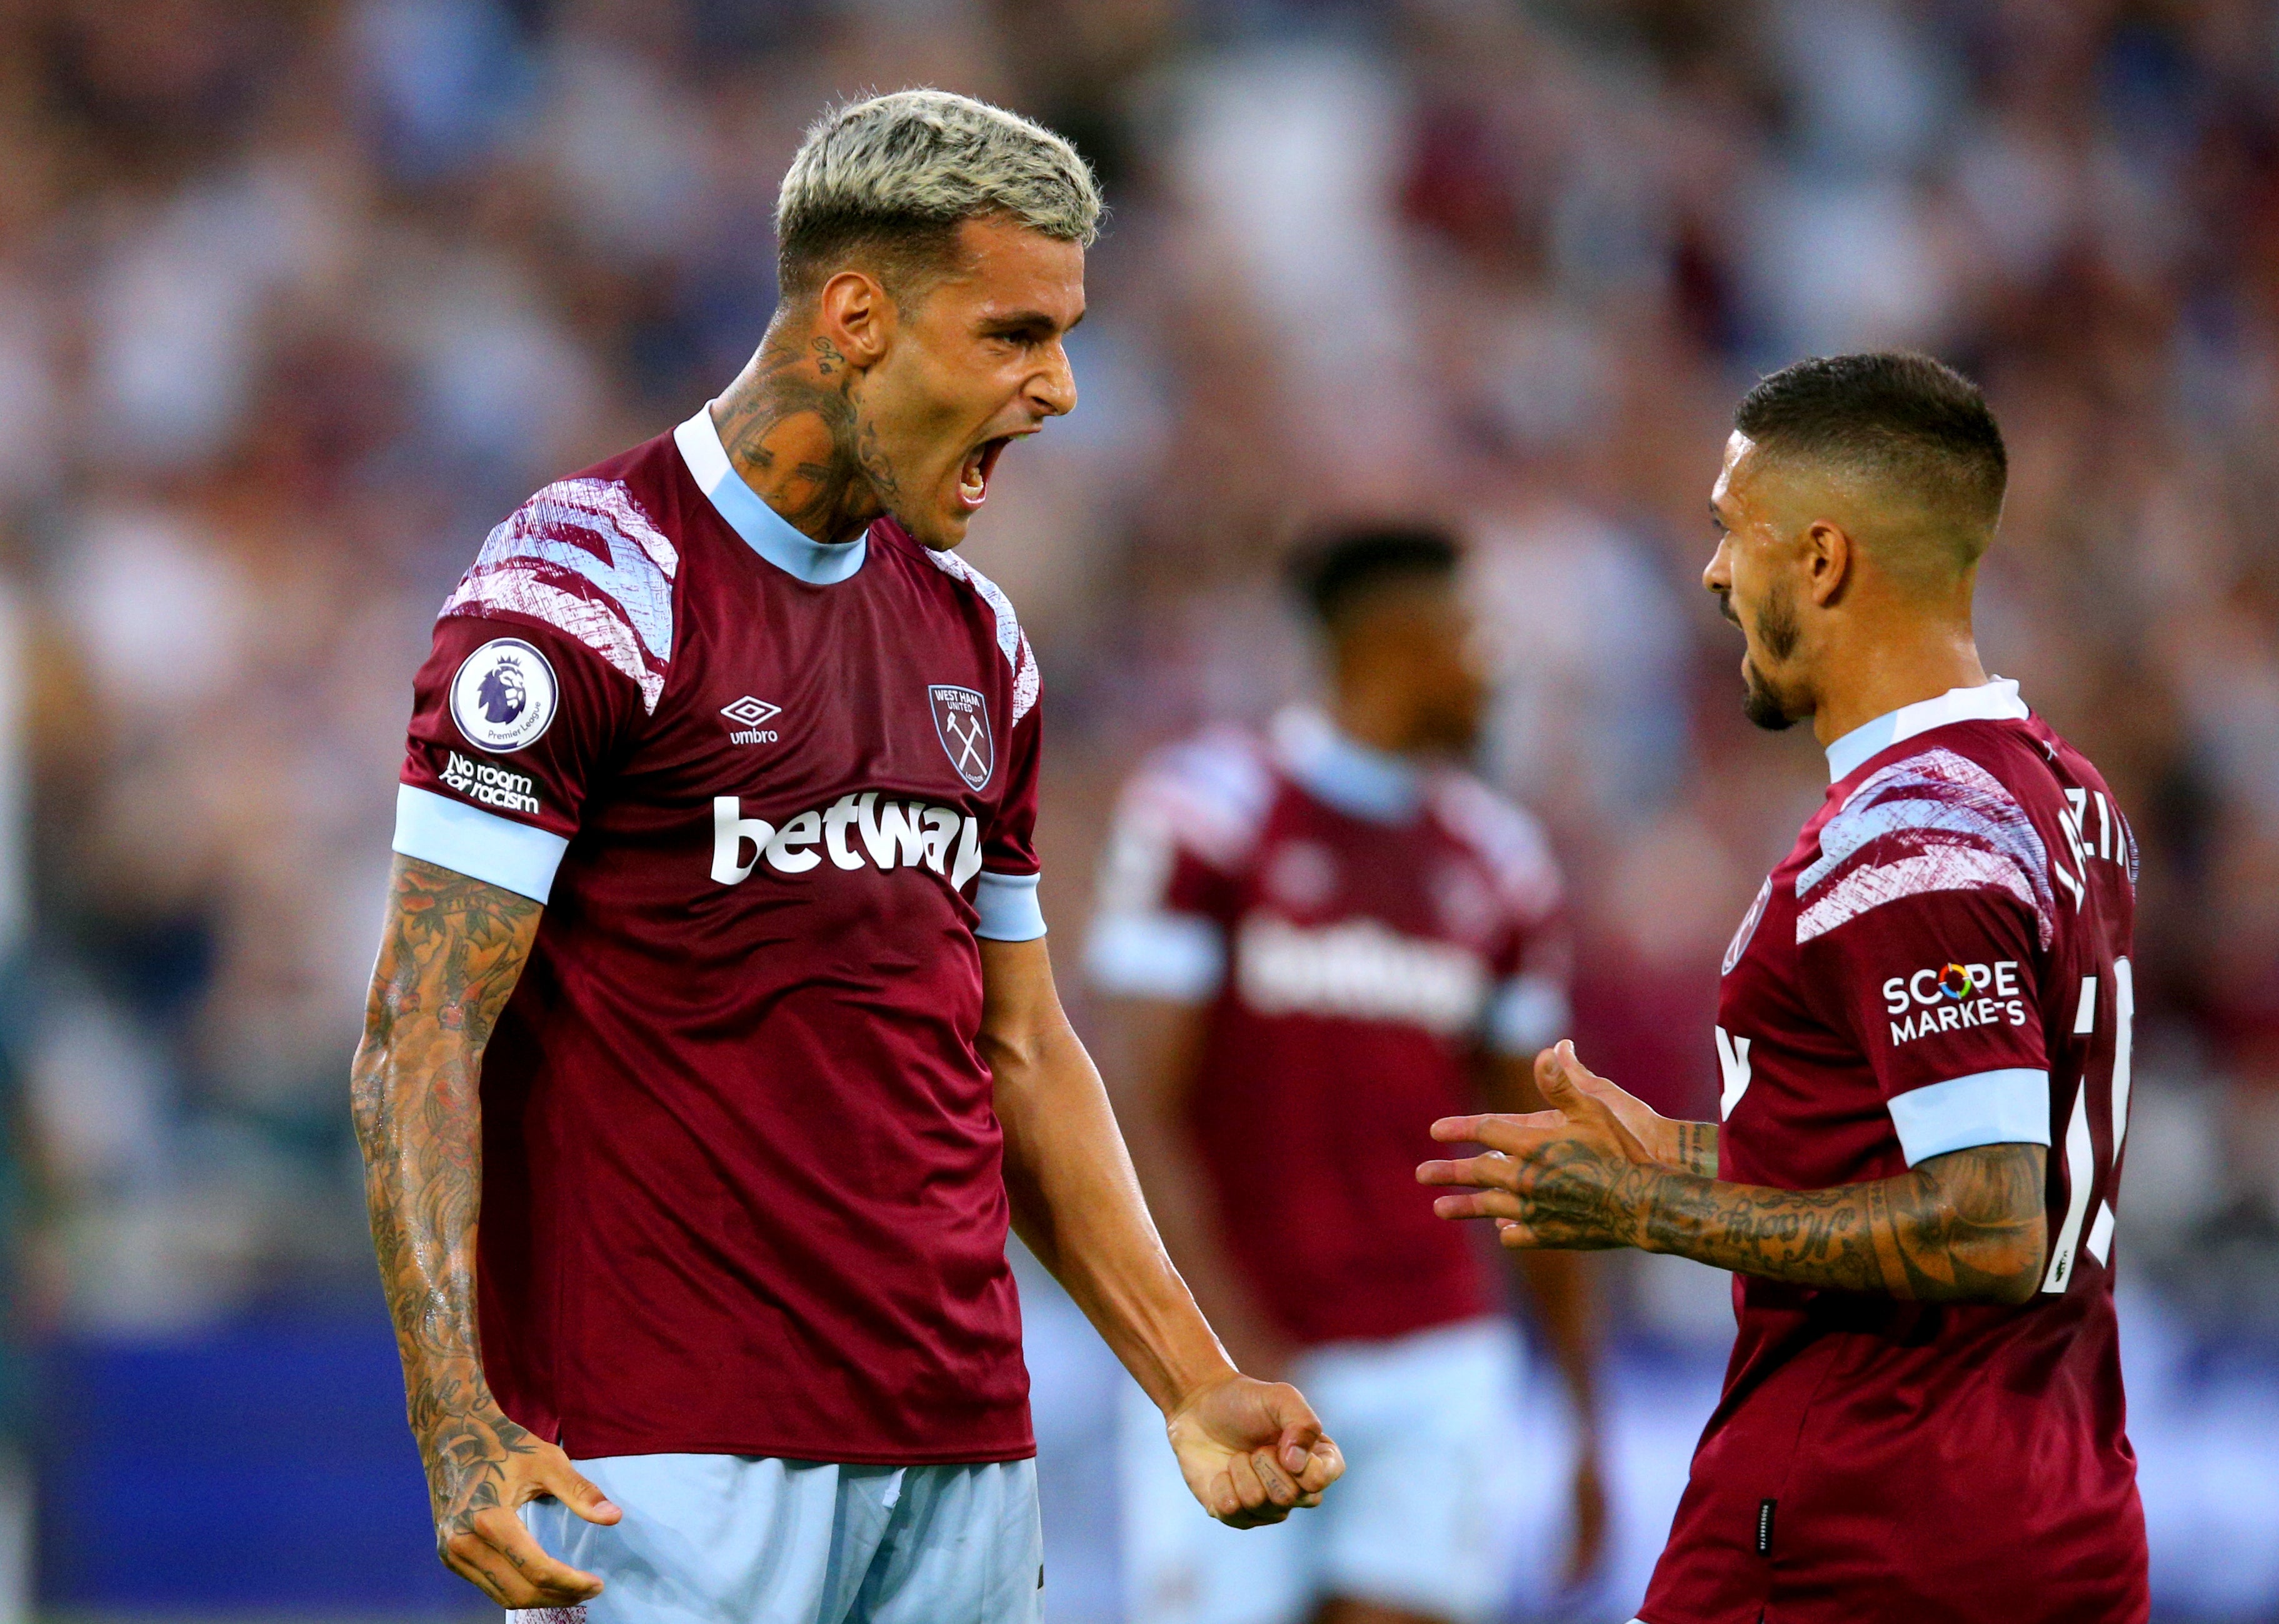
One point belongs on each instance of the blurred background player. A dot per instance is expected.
(1923, 1415)
(742, 1037)
(1319, 939)
(298, 297)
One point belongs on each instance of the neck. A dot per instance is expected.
(1373, 719)
(1919, 662)
(791, 424)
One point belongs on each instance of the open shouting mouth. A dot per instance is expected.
(973, 476)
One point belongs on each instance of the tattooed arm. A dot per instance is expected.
(1690, 1147)
(1965, 1227)
(451, 952)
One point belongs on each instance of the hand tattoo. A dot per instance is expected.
(1965, 1227)
(452, 953)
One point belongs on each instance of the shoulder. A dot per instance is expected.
(588, 556)
(985, 596)
(1209, 793)
(1504, 837)
(1949, 816)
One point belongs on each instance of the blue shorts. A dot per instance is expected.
(1424, 1520)
(734, 1539)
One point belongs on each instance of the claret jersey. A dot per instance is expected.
(1941, 962)
(741, 1187)
(1357, 928)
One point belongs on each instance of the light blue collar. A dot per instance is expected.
(1352, 777)
(1996, 700)
(770, 535)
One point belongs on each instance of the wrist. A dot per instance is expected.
(1186, 1386)
(1644, 1231)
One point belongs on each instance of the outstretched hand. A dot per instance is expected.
(1252, 1451)
(1573, 1177)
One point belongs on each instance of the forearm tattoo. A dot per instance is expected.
(452, 950)
(1965, 1227)
(1697, 1148)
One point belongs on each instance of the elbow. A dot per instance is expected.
(1990, 1224)
(2017, 1287)
(2009, 1271)
(368, 1095)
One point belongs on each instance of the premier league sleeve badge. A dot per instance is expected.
(504, 696)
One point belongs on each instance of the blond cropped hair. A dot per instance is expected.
(887, 182)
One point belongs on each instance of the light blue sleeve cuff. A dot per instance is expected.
(1172, 956)
(1007, 905)
(480, 844)
(1987, 1107)
(1529, 1014)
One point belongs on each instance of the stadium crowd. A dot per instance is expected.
(298, 298)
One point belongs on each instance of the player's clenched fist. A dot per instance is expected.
(481, 1469)
(1252, 1451)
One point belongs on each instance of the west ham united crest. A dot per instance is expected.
(504, 695)
(962, 717)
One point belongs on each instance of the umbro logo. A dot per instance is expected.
(751, 712)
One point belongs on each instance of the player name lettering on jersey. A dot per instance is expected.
(1952, 998)
(493, 786)
(1360, 970)
(855, 831)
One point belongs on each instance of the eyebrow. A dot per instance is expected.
(1013, 321)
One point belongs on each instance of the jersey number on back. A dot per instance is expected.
(2080, 1147)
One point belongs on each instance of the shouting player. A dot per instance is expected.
(1923, 1418)
(714, 975)
(1321, 940)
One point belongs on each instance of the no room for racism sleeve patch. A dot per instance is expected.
(506, 733)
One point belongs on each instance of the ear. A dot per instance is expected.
(855, 312)
(1830, 557)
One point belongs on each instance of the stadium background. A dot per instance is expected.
(297, 298)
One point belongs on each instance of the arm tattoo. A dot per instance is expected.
(1697, 1148)
(451, 954)
(1965, 1227)
(852, 480)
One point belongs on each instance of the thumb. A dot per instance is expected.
(1301, 1429)
(577, 1491)
(1560, 1075)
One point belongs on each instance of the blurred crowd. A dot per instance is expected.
(298, 297)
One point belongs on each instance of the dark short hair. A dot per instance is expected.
(1336, 566)
(1908, 418)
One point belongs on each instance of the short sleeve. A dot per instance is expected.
(1166, 900)
(512, 726)
(1924, 922)
(556, 643)
(1532, 959)
(1532, 1008)
(1005, 892)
